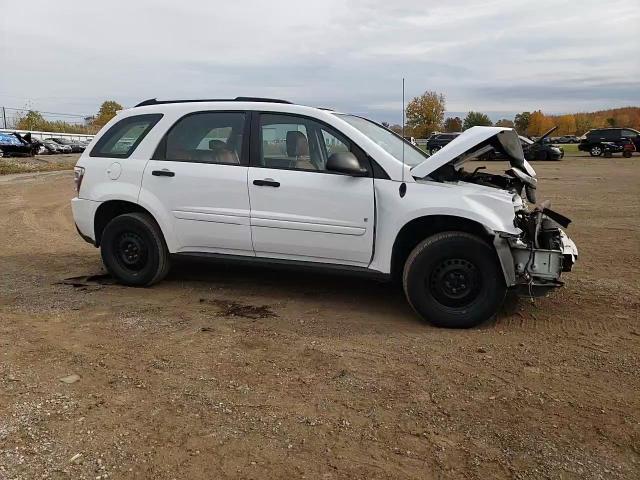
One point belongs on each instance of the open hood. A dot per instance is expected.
(545, 135)
(473, 143)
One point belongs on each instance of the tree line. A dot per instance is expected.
(425, 114)
(35, 121)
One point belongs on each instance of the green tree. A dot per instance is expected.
(474, 119)
(31, 121)
(504, 123)
(107, 111)
(453, 124)
(521, 122)
(425, 114)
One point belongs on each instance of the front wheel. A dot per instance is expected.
(434, 150)
(595, 151)
(453, 280)
(134, 251)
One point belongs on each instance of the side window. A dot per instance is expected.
(205, 137)
(611, 134)
(629, 133)
(333, 144)
(123, 138)
(297, 143)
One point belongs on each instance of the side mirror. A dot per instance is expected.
(346, 162)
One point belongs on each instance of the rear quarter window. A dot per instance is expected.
(121, 140)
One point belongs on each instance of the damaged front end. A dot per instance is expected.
(534, 259)
(542, 252)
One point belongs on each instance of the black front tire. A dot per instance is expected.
(134, 251)
(453, 280)
(596, 151)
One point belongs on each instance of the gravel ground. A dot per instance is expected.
(240, 372)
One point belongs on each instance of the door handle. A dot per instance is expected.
(163, 173)
(266, 183)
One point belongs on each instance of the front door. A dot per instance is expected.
(199, 177)
(299, 210)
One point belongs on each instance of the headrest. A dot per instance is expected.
(297, 144)
(213, 144)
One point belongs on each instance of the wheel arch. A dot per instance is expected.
(109, 210)
(419, 228)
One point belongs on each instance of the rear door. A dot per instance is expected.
(633, 136)
(198, 176)
(299, 210)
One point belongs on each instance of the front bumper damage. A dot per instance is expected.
(534, 261)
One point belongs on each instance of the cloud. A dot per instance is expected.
(506, 55)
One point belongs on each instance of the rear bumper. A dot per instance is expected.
(84, 212)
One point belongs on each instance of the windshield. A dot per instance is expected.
(389, 141)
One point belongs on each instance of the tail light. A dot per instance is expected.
(78, 175)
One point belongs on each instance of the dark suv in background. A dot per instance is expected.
(439, 140)
(597, 141)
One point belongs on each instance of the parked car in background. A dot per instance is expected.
(567, 139)
(439, 140)
(53, 148)
(76, 147)
(13, 145)
(63, 147)
(612, 140)
(541, 149)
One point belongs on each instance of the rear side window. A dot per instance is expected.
(205, 137)
(123, 138)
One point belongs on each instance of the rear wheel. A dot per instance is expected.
(453, 280)
(596, 151)
(134, 251)
(434, 150)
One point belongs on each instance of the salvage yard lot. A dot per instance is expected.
(245, 372)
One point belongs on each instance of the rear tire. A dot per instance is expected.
(453, 280)
(596, 151)
(134, 251)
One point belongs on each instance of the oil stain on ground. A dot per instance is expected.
(229, 308)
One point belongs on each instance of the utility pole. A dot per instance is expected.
(4, 117)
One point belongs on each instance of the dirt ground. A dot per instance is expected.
(243, 372)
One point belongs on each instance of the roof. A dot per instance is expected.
(154, 101)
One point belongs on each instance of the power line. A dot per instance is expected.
(47, 113)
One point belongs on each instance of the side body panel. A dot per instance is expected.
(487, 206)
(207, 204)
(312, 216)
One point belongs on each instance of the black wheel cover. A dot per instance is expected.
(455, 282)
(132, 253)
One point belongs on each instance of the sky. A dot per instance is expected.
(495, 56)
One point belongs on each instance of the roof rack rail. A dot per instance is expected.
(153, 101)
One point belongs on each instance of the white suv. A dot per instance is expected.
(260, 179)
